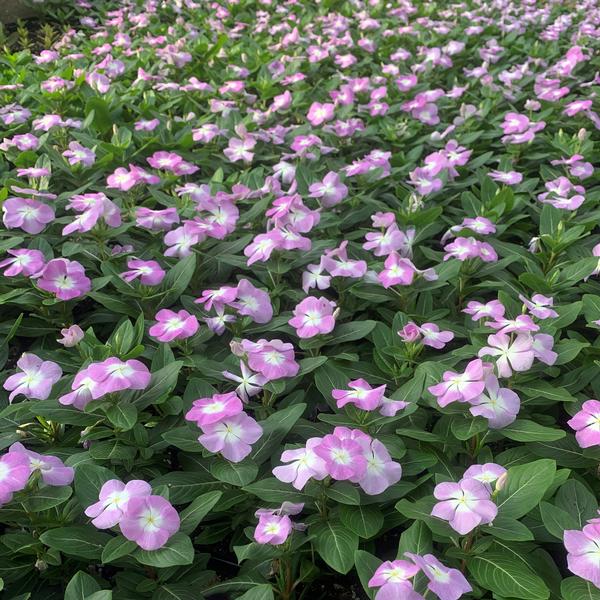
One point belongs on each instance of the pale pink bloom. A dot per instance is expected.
(313, 316)
(410, 333)
(521, 324)
(445, 583)
(65, 279)
(52, 470)
(463, 248)
(26, 262)
(344, 457)
(583, 549)
(487, 473)
(113, 499)
(330, 190)
(381, 472)
(320, 113)
(173, 325)
(114, 375)
(392, 579)
(304, 465)
(27, 214)
(232, 437)
(461, 387)
(397, 271)
(273, 359)
(250, 384)
(263, 245)
(181, 240)
(240, 149)
(385, 242)
(149, 521)
(500, 406)
(146, 125)
(252, 302)
(516, 355)
(149, 271)
(433, 337)
(35, 379)
(215, 408)
(272, 529)
(313, 278)
(586, 424)
(78, 154)
(360, 394)
(465, 504)
(506, 177)
(14, 474)
(542, 348)
(156, 220)
(515, 123)
(122, 179)
(539, 306)
(71, 336)
(219, 298)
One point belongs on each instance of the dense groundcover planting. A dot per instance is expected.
(302, 300)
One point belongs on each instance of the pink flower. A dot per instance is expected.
(114, 375)
(410, 333)
(181, 240)
(52, 470)
(512, 356)
(493, 310)
(331, 190)
(35, 379)
(232, 436)
(398, 271)
(78, 154)
(500, 406)
(252, 302)
(465, 504)
(218, 298)
(520, 324)
(515, 123)
(304, 464)
(487, 473)
(583, 548)
(320, 113)
(122, 179)
(461, 387)
(113, 501)
(173, 325)
(392, 577)
(149, 521)
(273, 359)
(218, 407)
(542, 348)
(506, 177)
(385, 242)
(240, 149)
(65, 279)
(313, 316)
(26, 262)
(313, 278)
(149, 271)
(71, 336)
(381, 471)
(27, 214)
(586, 424)
(360, 394)
(539, 306)
(432, 336)
(445, 583)
(14, 474)
(344, 458)
(272, 529)
(250, 384)
(156, 220)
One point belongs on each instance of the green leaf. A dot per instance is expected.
(161, 383)
(238, 474)
(81, 587)
(122, 415)
(574, 588)
(576, 500)
(89, 479)
(523, 430)
(47, 497)
(192, 515)
(344, 493)
(366, 565)
(349, 332)
(116, 548)
(365, 521)
(416, 539)
(556, 520)
(507, 576)
(524, 488)
(591, 307)
(275, 491)
(177, 280)
(81, 541)
(335, 544)
(506, 528)
(177, 551)
(465, 429)
(260, 592)
(275, 428)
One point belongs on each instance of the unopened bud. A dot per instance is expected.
(581, 134)
(501, 481)
(41, 565)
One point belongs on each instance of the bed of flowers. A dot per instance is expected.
(302, 300)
